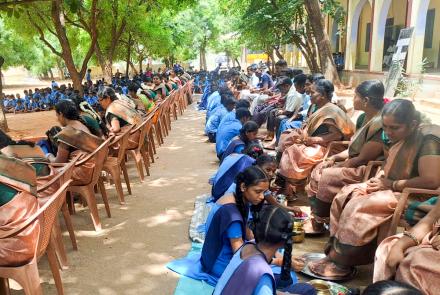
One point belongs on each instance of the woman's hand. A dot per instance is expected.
(329, 162)
(396, 256)
(379, 184)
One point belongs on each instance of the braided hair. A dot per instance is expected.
(69, 110)
(249, 177)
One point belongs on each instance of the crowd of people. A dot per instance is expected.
(29, 171)
(286, 135)
(152, 85)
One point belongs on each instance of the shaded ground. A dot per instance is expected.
(130, 254)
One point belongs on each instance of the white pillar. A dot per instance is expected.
(418, 10)
(354, 12)
(381, 9)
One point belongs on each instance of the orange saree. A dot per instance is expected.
(298, 159)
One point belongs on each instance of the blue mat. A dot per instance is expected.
(187, 285)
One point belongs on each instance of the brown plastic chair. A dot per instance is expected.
(157, 126)
(27, 275)
(141, 152)
(416, 194)
(64, 174)
(115, 165)
(87, 191)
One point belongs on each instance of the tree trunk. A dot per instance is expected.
(327, 63)
(278, 52)
(60, 70)
(3, 121)
(51, 73)
(133, 68)
(105, 64)
(128, 55)
(141, 59)
(203, 57)
(237, 61)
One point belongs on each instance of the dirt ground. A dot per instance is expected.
(129, 255)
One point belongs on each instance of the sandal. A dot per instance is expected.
(326, 268)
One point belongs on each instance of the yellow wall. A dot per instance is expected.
(398, 12)
(362, 56)
(431, 54)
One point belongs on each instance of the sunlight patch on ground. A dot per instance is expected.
(162, 218)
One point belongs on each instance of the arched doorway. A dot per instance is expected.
(364, 30)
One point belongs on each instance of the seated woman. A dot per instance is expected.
(390, 287)
(412, 257)
(304, 148)
(159, 87)
(224, 180)
(348, 167)
(248, 134)
(361, 213)
(75, 138)
(119, 114)
(90, 116)
(227, 227)
(17, 204)
(249, 271)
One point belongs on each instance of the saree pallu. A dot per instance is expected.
(124, 110)
(82, 143)
(21, 178)
(330, 113)
(419, 268)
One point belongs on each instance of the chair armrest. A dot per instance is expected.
(402, 203)
(370, 166)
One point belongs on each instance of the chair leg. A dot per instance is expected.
(57, 241)
(69, 225)
(70, 203)
(54, 268)
(146, 161)
(29, 279)
(126, 178)
(4, 286)
(89, 196)
(158, 135)
(152, 144)
(115, 172)
(138, 161)
(151, 151)
(104, 196)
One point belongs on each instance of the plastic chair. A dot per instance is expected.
(27, 275)
(115, 165)
(140, 153)
(87, 190)
(64, 174)
(416, 194)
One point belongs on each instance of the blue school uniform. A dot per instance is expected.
(19, 107)
(225, 134)
(214, 100)
(214, 120)
(33, 105)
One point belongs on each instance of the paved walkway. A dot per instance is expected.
(130, 254)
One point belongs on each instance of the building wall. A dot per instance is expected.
(362, 55)
(432, 54)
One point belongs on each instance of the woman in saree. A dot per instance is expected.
(18, 203)
(159, 87)
(90, 116)
(348, 167)
(248, 134)
(119, 115)
(361, 214)
(226, 228)
(412, 257)
(74, 139)
(304, 148)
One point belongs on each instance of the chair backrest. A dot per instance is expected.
(122, 141)
(99, 155)
(48, 214)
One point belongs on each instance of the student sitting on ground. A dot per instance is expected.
(227, 131)
(227, 106)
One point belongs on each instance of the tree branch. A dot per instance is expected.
(42, 38)
(5, 3)
(94, 36)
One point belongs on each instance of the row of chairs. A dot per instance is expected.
(152, 131)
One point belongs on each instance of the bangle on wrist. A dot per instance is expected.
(394, 185)
(412, 237)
